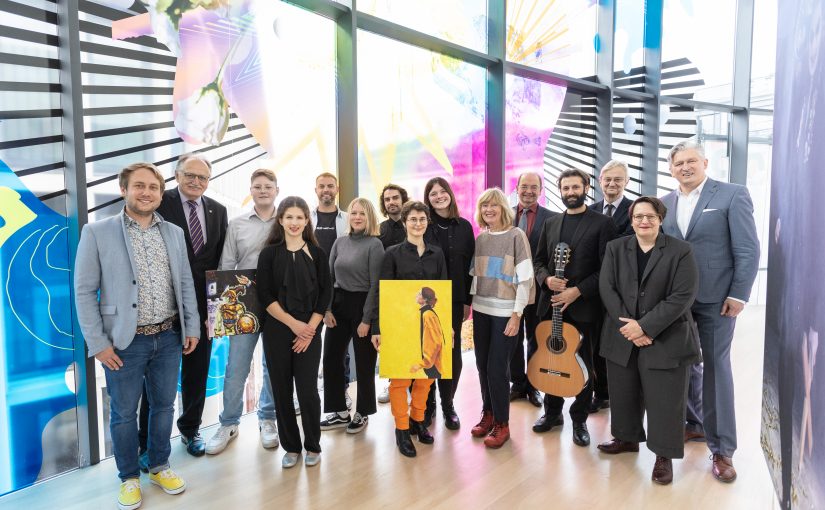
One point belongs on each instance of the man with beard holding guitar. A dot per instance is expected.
(587, 233)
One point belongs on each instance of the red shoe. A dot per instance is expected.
(484, 426)
(498, 436)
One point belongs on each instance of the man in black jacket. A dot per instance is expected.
(204, 223)
(587, 233)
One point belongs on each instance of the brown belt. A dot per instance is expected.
(154, 329)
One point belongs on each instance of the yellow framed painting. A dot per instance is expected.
(416, 335)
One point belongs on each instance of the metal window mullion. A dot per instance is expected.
(346, 98)
(604, 99)
(653, 85)
(495, 125)
(71, 102)
(739, 126)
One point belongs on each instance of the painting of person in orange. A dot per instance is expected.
(432, 336)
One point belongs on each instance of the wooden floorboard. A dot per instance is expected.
(531, 471)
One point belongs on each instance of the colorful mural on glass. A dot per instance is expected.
(37, 401)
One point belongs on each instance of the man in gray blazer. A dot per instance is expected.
(716, 218)
(530, 217)
(137, 310)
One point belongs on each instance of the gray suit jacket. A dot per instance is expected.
(668, 287)
(105, 264)
(722, 233)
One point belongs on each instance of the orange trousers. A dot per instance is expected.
(401, 411)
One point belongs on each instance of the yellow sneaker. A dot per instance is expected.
(129, 497)
(168, 481)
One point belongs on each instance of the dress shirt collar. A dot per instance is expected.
(533, 208)
(696, 191)
(615, 203)
(129, 221)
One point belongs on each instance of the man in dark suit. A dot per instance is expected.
(529, 217)
(612, 179)
(587, 233)
(716, 218)
(204, 222)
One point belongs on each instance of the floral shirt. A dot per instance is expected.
(156, 296)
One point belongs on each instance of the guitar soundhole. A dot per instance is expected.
(556, 345)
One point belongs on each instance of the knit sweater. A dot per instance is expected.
(502, 271)
(355, 266)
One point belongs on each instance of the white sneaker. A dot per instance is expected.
(269, 434)
(223, 435)
(348, 400)
(297, 406)
(384, 397)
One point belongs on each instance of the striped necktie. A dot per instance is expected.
(195, 230)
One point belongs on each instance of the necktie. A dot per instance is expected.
(610, 208)
(195, 230)
(522, 222)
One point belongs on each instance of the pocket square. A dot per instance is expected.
(709, 210)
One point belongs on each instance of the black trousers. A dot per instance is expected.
(493, 352)
(661, 393)
(448, 387)
(194, 373)
(347, 307)
(289, 370)
(518, 365)
(600, 381)
(578, 410)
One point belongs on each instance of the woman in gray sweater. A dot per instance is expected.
(355, 266)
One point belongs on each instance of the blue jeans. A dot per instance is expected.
(153, 361)
(241, 348)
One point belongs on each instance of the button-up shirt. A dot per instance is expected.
(245, 237)
(615, 205)
(201, 213)
(531, 218)
(156, 296)
(392, 232)
(685, 205)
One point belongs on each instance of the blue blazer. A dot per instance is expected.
(722, 233)
(105, 264)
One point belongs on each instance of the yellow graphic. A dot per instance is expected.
(14, 213)
(233, 318)
(534, 31)
(416, 336)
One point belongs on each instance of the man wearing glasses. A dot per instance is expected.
(204, 223)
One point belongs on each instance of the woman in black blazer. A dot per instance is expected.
(648, 283)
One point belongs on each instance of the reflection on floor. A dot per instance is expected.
(365, 470)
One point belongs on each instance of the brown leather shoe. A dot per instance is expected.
(615, 446)
(484, 426)
(723, 468)
(498, 436)
(662, 471)
(693, 435)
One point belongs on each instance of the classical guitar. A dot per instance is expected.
(556, 367)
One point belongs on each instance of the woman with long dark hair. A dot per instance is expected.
(454, 235)
(355, 265)
(294, 286)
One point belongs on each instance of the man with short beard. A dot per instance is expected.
(392, 230)
(587, 233)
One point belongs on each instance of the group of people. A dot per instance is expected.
(653, 287)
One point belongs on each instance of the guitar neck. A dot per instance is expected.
(557, 315)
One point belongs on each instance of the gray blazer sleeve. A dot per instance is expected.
(86, 286)
(191, 316)
(744, 244)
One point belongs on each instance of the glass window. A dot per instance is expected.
(421, 115)
(628, 50)
(532, 111)
(763, 61)
(628, 132)
(554, 36)
(760, 154)
(701, 65)
(677, 123)
(462, 22)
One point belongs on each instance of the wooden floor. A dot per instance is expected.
(531, 471)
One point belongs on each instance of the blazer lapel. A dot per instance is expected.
(211, 224)
(179, 217)
(654, 257)
(670, 224)
(707, 193)
(555, 233)
(624, 205)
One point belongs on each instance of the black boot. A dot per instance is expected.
(404, 442)
(418, 428)
(450, 417)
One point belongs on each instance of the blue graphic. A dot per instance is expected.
(35, 328)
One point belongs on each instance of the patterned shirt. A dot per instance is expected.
(156, 296)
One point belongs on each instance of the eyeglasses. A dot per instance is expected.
(651, 218)
(617, 180)
(191, 177)
(422, 221)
